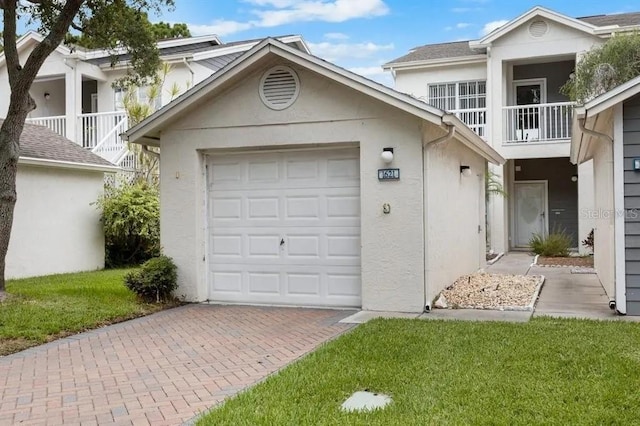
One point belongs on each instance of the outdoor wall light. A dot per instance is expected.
(574, 178)
(47, 96)
(387, 155)
(465, 171)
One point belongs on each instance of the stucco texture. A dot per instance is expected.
(55, 227)
(325, 114)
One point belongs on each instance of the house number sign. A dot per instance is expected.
(388, 174)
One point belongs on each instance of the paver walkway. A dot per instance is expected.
(160, 369)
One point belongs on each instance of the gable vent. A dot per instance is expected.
(279, 87)
(538, 28)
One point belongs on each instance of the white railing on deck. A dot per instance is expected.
(111, 147)
(475, 119)
(58, 123)
(94, 127)
(538, 123)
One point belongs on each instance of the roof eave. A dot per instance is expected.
(472, 141)
(457, 60)
(401, 101)
(46, 162)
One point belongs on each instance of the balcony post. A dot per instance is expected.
(73, 101)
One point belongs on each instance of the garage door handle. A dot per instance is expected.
(282, 242)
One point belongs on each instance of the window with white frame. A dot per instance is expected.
(141, 94)
(458, 96)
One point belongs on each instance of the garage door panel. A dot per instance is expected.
(285, 228)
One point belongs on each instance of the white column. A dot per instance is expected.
(73, 101)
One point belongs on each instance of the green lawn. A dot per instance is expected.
(542, 372)
(44, 308)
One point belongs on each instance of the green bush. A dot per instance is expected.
(556, 244)
(131, 223)
(155, 280)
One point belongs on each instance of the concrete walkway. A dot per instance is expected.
(564, 294)
(162, 369)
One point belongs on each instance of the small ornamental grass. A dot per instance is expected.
(556, 244)
(155, 280)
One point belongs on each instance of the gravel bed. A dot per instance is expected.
(492, 291)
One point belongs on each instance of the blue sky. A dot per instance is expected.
(363, 34)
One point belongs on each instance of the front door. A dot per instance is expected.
(530, 211)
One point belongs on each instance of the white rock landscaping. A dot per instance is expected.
(494, 291)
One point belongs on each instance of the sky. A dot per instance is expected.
(361, 35)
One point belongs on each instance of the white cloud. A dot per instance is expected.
(220, 27)
(493, 25)
(333, 52)
(336, 36)
(458, 26)
(272, 13)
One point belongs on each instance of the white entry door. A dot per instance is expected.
(530, 211)
(284, 227)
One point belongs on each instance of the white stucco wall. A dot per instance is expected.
(55, 227)
(603, 216)
(325, 113)
(586, 201)
(454, 215)
(393, 245)
(416, 81)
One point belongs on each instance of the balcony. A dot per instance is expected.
(539, 123)
(98, 132)
(475, 119)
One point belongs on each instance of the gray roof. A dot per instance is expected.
(621, 19)
(438, 51)
(461, 48)
(207, 46)
(42, 143)
(218, 62)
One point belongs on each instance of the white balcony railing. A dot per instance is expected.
(538, 123)
(475, 119)
(94, 128)
(58, 124)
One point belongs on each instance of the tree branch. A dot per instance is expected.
(56, 35)
(9, 39)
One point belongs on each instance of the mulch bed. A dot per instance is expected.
(581, 262)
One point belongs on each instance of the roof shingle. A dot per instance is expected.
(458, 49)
(42, 143)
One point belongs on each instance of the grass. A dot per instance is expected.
(42, 309)
(546, 371)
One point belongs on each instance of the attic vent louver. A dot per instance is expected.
(538, 28)
(279, 87)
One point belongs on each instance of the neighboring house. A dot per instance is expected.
(56, 227)
(606, 132)
(506, 87)
(75, 94)
(273, 191)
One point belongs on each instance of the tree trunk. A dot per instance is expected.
(9, 153)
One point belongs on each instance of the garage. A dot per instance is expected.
(285, 227)
(286, 180)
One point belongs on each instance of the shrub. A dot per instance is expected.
(556, 244)
(155, 280)
(131, 223)
(588, 242)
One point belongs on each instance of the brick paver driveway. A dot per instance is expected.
(161, 369)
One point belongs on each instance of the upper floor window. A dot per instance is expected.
(141, 94)
(457, 96)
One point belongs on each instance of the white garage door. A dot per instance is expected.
(285, 227)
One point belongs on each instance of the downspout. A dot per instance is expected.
(593, 133)
(603, 136)
(188, 65)
(450, 133)
(146, 150)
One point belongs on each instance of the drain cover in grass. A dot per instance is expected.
(366, 401)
